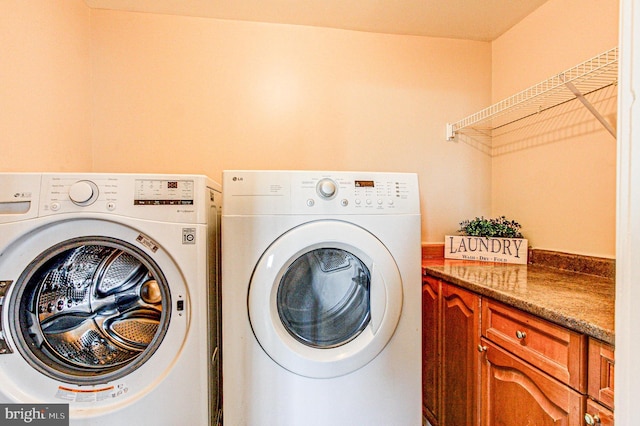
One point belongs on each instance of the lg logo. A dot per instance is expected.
(237, 179)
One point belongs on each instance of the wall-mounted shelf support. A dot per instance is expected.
(590, 107)
(451, 133)
(594, 74)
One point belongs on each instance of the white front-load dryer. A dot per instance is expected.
(108, 293)
(321, 298)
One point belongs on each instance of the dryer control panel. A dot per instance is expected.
(308, 192)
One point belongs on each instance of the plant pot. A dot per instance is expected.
(486, 249)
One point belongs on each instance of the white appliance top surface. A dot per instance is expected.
(254, 192)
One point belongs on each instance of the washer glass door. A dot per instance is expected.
(90, 309)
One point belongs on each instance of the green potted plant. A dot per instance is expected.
(489, 240)
(498, 227)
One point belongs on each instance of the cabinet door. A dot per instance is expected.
(515, 393)
(601, 368)
(460, 357)
(431, 349)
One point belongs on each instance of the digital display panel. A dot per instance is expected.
(365, 184)
(156, 192)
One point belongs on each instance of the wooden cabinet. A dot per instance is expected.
(533, 372)
(451, 365)
(601, 364)
(559, 352)
(599, 409)
(459, 358)
(487, 363)
(516, 393)
(431, 290)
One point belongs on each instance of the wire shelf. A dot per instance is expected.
(592, 75)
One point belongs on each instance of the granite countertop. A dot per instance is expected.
(581, 302)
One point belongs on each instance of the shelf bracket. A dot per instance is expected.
(451, 134)
(590, 107)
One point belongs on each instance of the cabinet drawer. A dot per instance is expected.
(601, 367)
(551, 348)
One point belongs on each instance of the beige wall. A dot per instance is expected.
(44, 86)
(557, 176)
(181, 94)
(94, 90)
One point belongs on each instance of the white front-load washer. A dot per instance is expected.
(321, 293)
(107, 294)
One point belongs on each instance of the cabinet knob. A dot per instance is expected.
(521, 334)
(482, 348)
(591, 420)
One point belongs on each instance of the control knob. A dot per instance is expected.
(83, 193)
(327, 188)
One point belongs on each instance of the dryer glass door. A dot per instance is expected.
(323, 298)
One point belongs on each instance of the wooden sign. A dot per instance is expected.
(484, 249)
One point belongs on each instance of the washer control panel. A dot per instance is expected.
(163, 192)
(69, 193)
(179, 198)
